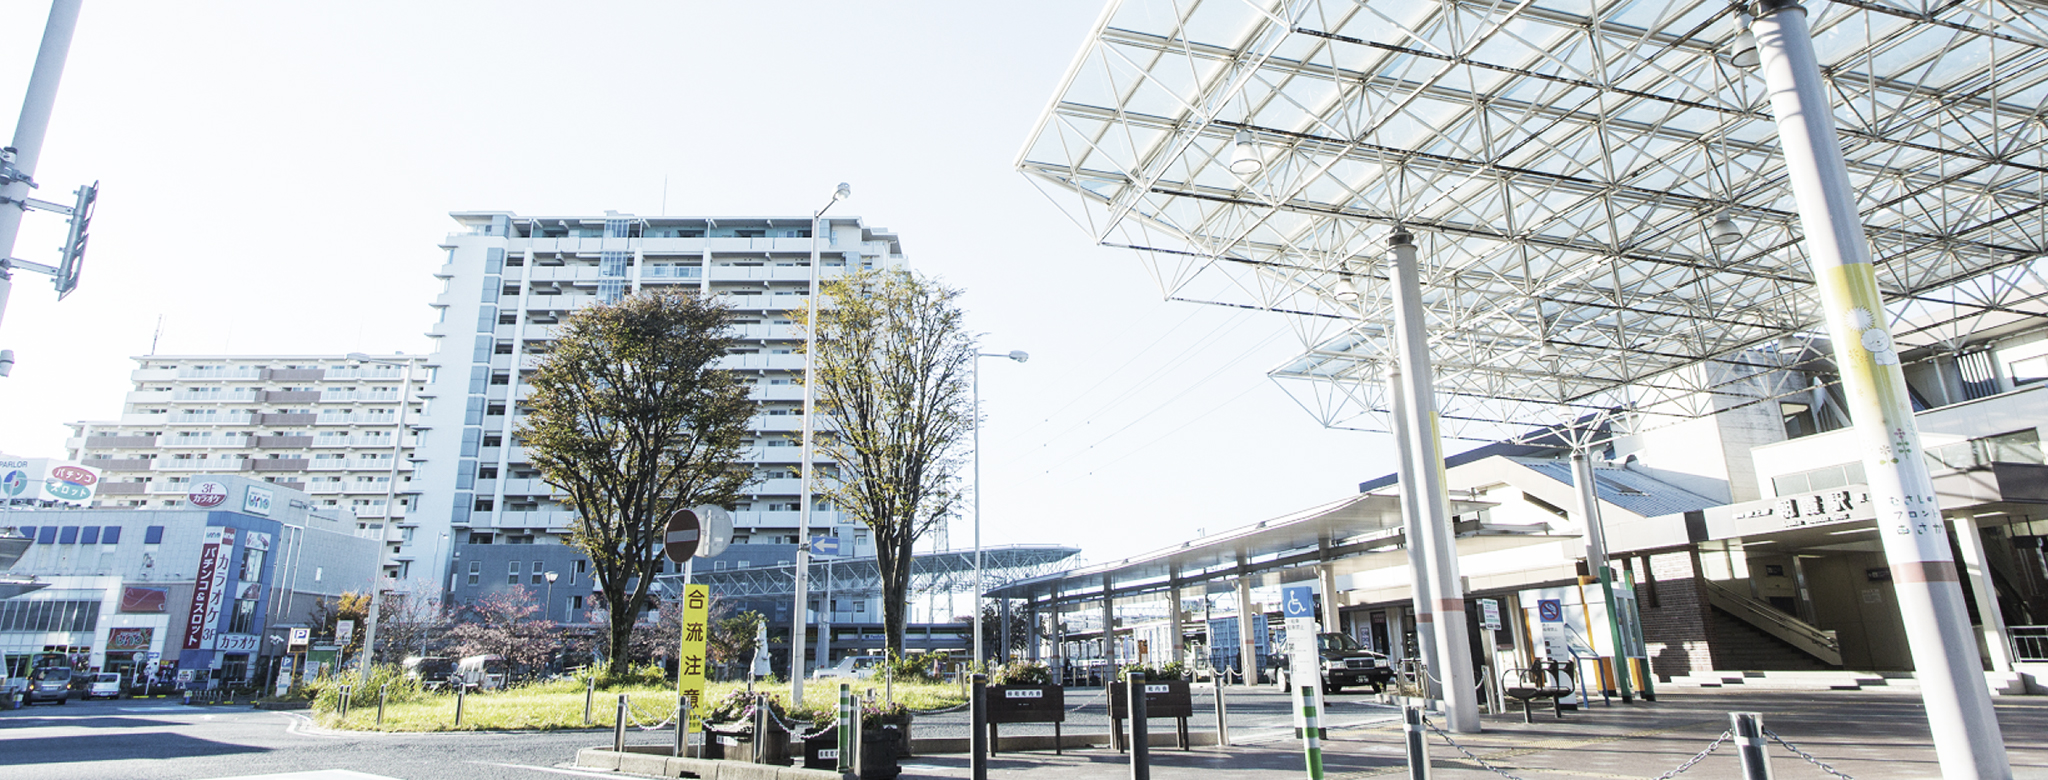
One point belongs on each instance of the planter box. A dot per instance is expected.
(880, 748)
(1169, 699)
(1025, 704)
(821, 751)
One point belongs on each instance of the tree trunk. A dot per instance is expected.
(894, 560)
(621, 635)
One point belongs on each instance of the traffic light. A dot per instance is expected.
(73, 254)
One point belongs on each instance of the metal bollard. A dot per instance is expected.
(589, 694)
(1418, 744)
(347, 691)
(847, 728)
(1312, 730)
(682, 724)
(619, 727)
(1750, 744)
(383, 695)
(1141, 742)
(977, 741)
(1222, 718)
(460, 691)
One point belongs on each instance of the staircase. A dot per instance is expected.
(1739, 645)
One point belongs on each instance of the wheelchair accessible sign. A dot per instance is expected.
(1298, 602)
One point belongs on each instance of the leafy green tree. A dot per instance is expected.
(631, 418)
(893, 356)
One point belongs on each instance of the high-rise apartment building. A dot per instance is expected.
(324, 424)
(510, 280)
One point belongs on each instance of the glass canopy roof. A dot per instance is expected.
(1562, 165)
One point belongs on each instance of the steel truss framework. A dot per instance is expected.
(1560, 163)
(945, 572)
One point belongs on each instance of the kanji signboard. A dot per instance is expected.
(690, 668)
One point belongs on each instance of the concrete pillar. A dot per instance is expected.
(1003, 614)
(1966, 737)
(1031, 640)
(1970, 539)
(1422, 594)
(1108, 630)
(1174, 629)
(1326, 578)
(1247, 652)
(1453, 661)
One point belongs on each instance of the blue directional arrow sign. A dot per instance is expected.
(1298, 602)
(825, 545)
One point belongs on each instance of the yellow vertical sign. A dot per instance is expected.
(690, 667)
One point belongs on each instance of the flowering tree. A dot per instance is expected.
(502, 624)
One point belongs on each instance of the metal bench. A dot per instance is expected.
(1546, 680)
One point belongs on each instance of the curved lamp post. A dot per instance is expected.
(1019, 356)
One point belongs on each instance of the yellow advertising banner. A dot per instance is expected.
(690, 667)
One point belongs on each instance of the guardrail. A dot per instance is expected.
(1821, 644)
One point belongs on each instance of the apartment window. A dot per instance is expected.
(111, 535)
(476, 571)
(485, 505)
(577, 571)
(508, 319)
(575, 602)
(539, 577)
(487, 472)
(512, 572)
(501, 379)
(503, 348)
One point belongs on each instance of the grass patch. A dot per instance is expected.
(558, 704)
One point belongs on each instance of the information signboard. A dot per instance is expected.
(690, 665)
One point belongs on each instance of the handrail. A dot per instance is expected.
(1819, 643)
(2029, 643)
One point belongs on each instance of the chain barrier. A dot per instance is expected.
(1823, 765)
(1682, 768)
(1099, 695)
(795, 733)
(633, 718)
(1698, 757)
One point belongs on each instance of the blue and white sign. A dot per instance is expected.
(1298, 602)
(825, 545)
(1550, 610)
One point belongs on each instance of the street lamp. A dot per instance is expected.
(548, 614)
(1019, 356)
(798, 620)
(390, 498)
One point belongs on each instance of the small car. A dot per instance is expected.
(104, 684)
(49, 684)
(1344, 662)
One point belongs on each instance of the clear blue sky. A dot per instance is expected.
(276, 176)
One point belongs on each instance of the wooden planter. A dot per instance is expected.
(1025, 704)
(1165, 699)
(882, 746)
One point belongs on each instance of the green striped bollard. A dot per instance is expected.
(1312, 731)
(849, 726)
(1418, 744)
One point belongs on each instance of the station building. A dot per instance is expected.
(188, 591)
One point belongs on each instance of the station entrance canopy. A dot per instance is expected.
(1597, 187)
(951, 571)
(1346, 528)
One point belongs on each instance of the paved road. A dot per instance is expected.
(1257, 713)
(157, 740)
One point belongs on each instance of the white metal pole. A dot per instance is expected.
(798, 619)
(1970, 541)
(1958, 702)
(1424, 601)
(977, 507)
(384, 533)
(1596, 563)
(1454, 649)
(36, 106)
(825, 618)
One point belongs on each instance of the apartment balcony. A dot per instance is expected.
(148, 396)
(562, 273)
(763, 244)
(236, 372)
(782, 486)
(789, 362)
(662, 272)
(280, 464)
(220, 418)
(784, 519)
(326, 488)
(121, 464)
(204, 441)
(299, 486)
(376, 511)
(366, 371)
(552, 519)
(356, 464)
(779, 423)
(116, 442)
(123, 488)
(291, 396)
(215, 465)
(524, 487)
(350, 418)
(791, 392)
(760, 273)
(353, 396)
(168, 488)
(295, 374)
(239, 395)
(143, 418)
(153, 374)
(281, 418)
(283, 442)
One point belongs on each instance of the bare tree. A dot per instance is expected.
(631, 419)
(893, 356)
(407, 624)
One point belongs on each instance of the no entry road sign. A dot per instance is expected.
(679, 541)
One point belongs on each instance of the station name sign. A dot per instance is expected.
(1845, 504)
